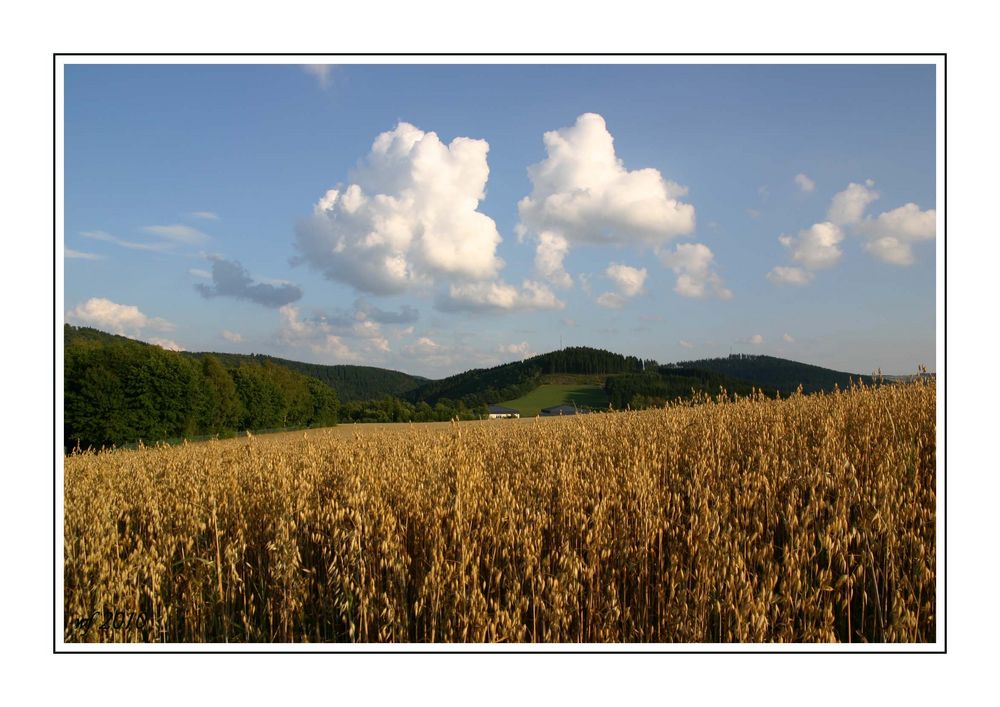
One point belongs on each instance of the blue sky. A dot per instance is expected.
(785, 210)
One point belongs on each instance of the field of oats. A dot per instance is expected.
(805, 519)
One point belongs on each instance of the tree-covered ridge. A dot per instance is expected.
(656, 386)
(778, 373)
(350, 382)
(119, 391)
(483, 386)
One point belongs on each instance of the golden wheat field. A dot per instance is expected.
(807, 519)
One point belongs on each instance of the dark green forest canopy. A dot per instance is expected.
(119, 391)
(778, 373)
(350, 382)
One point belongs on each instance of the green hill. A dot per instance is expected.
(656, 386)
(582, 395)
(118, 391)
(512, 380)
(350, 382)
(778, 373)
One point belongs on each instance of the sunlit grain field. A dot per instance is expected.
(809, 519)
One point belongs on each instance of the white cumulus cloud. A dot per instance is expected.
(756, 339)
(815, 247)
(124, 319)
(849, 205)
(583, 192)
(628, 279)
(693, 264)
(410, 216)
(892, 234)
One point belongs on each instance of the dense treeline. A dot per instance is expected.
(119, 391)
(656, 387)
(484, 386)
(778, 373)
(395, 410)
(350, 382)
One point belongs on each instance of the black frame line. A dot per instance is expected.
(55, 325)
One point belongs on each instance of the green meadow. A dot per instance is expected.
(547, 395)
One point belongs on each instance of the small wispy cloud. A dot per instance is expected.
(788, 338)
(321, 72)
(70, 253)
(804, 183)
(156, 246)
(205, 215)
(178, 232)
(232, 336)
(611, 300)
(781, 275)
(685, 344)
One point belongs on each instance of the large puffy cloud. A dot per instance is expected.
(124, 319)
(891, 235)
(230, 279)
(409, 217)
(583, 192)
(499, 296)
(816, 247)
(693, 264)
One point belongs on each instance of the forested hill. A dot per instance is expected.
(119, 391)
(350, 382)
(778, 373)
(512, 380)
